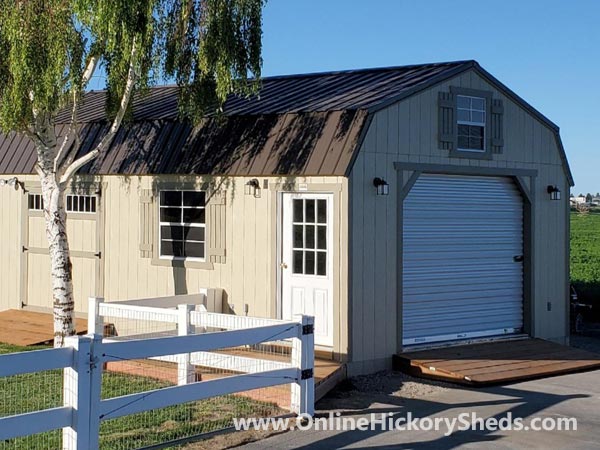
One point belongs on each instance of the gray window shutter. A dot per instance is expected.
(497, 125)
(446, 120)
(216, 227)
(147, 223)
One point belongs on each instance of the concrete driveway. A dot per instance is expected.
(575, 395)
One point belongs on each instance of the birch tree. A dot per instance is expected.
(51, 49)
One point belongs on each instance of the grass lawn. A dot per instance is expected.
(31, 392)
(585, 256)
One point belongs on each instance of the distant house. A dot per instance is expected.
(339, 194)
(579, 200)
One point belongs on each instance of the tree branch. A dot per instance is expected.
(107, 140)
(72, 131)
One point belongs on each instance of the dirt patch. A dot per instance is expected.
(231, 440)
(352, 394)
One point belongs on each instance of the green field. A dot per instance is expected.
(36, 391)
(585, 256)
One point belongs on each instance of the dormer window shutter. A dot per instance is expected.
(496, 140)
(147, 223)
(447, 120)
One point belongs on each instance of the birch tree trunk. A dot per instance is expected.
(56, 230)
(60, 259)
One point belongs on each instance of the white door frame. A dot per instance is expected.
(331, 251)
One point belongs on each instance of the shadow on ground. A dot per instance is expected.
(351, 400)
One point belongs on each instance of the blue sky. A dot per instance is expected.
(547, 51)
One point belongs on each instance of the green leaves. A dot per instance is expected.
(211, 48)
(39, 58)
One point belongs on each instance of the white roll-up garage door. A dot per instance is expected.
(462, 258)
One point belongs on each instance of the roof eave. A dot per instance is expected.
(542, 118)
(468, 65)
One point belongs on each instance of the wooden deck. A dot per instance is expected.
(496, 362)
(327, 374)
(25, 328)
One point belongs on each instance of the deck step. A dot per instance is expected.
(496, 362)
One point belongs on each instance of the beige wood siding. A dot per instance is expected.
(10, 247)
(408, 132)
(247, 234)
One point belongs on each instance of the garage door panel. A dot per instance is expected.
(460, 277)
(461, 286)
(477, 297)
(508, 322)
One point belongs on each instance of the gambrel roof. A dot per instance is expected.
(310, 124)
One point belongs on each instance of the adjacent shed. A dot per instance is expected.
(403, 207)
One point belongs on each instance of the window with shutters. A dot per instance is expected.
(182, 225)
(470, 123)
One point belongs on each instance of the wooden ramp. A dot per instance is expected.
(496, 362)
(24, 328)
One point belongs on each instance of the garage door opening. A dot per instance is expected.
(462, 259)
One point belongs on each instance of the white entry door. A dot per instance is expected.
(307, 261)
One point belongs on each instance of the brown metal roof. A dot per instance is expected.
(275, 144)
(300, 124)
(318, 92)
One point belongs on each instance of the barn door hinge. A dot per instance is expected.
(24, 249)
(308, 329)
(98, 255)
(306, 374)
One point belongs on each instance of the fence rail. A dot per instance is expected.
(84, 357)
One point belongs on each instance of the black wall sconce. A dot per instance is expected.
(554, 192)
(11, 182)
(382, 186)
(252, 187)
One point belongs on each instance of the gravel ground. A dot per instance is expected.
(360, 392)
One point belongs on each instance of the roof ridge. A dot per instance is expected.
(339, 72)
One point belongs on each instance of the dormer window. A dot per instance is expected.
(471, 123)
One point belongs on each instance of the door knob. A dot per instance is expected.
(518, 258)
(283, 265)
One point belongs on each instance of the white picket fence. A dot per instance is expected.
(83, 359)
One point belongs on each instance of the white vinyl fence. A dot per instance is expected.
(84, 357)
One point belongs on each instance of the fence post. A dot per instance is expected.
(76, 394)
(303, 357)
(186, 372)
(95, 320)
(96, 365)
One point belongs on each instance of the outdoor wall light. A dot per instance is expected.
(11, 182)
(382, 186)
(554, 192)
(252, 187)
